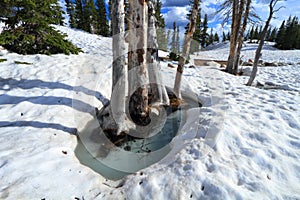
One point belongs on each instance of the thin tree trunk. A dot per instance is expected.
(138, 80)
(233, 38)
(158, 90)
(241, 37)
(261, 42)
(186, 49)
(112, 117)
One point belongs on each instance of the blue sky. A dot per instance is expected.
(176, 10)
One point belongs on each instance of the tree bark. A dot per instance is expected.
(112, 117)
(186, 49)
(158, 91)
(261, 42)
(241, 37)
(138, 82)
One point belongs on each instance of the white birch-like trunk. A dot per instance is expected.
(138, 76)
(186, 49)
(112, 117)
(158, 90)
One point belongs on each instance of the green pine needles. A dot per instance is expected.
(28, 28)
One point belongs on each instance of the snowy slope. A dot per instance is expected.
(44, 104)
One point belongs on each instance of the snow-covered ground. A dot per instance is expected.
(44, 104)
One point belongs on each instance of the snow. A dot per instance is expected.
(247, 146)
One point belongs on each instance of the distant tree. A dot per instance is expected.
(216, 38)
(28, 28)
(161, 26)
(288, 34)
(273, 35)
(70, 11)
(210, 37)
(280, 36)
(228, 36)
(177, 41)
(204, 34)
(223, 37)
(173, 41)
(102, 26)
(79, 15)
(251, 34)
(91, 17)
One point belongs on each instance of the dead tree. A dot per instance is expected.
(186, 48)
(241, 37)
(272, 4)
(237, 11)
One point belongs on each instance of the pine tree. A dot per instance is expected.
(228, 36)
(79, 14)
(27, 28)
(251, 34)
(204, 34)
(70, 11)
(223, 37)
(216, 38)
(103, 27)
(280, 36)
(161, 26)
(91, 16)
(177, 41)
(210, 37)
(173, 45)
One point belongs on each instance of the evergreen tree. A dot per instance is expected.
(210, 37)
(70, 11)
(216, 38)
(251, 34)
(173, 42)
(204, 34)
(280, 36)
(273, 35)
(177, 41)
(79, 15)
(223, 37)
(102, 26)
(161, 26)
(228, 36)
(256, 33)
(27, 28)
(91, 16)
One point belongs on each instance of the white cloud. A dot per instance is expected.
(176, 14)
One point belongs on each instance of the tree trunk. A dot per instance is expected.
(158, 91)
(186, 48)
(112, 117)
(261, 42)
(138, 82)
(241, 37)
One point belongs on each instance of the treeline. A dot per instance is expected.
(286, 37)
(88, 15)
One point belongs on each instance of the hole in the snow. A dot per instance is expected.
(128, 154)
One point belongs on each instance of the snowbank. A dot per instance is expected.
(43, 105)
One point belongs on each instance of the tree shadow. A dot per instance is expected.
(48, 100)
(36, 124)
(11, 83)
